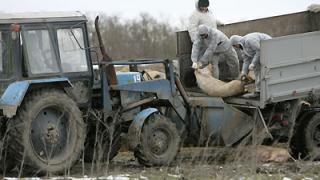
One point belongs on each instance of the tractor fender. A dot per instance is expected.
(135, 128)
(16, 91)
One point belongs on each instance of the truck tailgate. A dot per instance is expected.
(290, 67)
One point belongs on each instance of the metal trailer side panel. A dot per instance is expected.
(276, 26)
(290, 67)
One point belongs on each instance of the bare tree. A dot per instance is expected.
(145, 37)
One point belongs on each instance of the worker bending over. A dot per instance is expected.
(250, 48)
(212, 46)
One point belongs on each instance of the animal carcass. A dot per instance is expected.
(215, 87)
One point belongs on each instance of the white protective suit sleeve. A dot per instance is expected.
(209, 52)
(255, 46)
(246, 63)
(196, 50)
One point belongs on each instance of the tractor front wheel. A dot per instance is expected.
(159, 142)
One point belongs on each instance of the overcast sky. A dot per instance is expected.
(168, 10)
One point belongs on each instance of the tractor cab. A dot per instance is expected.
(45, 85)
(45, 49)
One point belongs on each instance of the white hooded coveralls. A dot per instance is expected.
(197, 18)
(216, 47)
(251, 53)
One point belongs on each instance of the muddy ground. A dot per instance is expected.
(196, 163)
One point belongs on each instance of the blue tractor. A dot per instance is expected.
(55, 105)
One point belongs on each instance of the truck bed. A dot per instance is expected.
(290, 67)
(239, 100)
(290, 62)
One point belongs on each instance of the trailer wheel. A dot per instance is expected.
(159, 142)
(312, 138)
(97, 145)
(47, 135)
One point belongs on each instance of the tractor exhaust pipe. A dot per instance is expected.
(108, 69)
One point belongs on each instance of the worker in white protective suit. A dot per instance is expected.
(250, 48)
(212, 46)
(201, 15)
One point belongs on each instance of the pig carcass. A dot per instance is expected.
(272, 154)
(261, 153)
(215, 87)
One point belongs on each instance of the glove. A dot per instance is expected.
(251, 67)
(195, 65)
(201, 65)
(242, 76)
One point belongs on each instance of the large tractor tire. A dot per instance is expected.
(6, 163)
(99, 146)
(159, 142)
(311, 137)
(48, 133)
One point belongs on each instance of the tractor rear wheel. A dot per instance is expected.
(159, 141)
(48, 133)
(6, 163)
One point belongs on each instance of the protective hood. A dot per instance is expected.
(236, 39)
(197, 4)
(203, 29)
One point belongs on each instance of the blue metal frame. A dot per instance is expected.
(221, 120)
(163, 88)
(16, 91)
